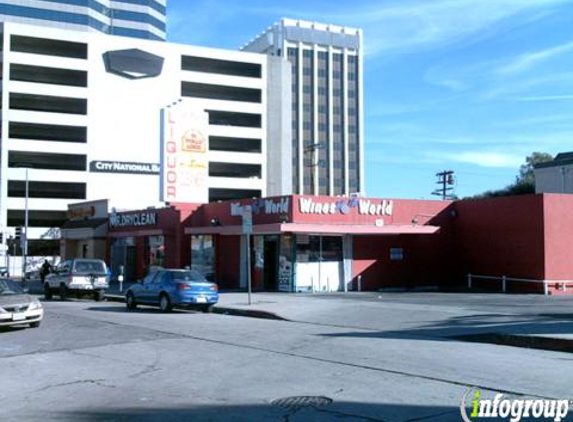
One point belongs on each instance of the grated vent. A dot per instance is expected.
(295, 403)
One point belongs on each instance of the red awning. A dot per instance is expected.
(305, 228)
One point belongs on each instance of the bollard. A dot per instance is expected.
(359, 283)
(469, 281)
(503, 284)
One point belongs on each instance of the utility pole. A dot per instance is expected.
(445, 181)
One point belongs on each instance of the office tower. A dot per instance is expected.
(129, 18)
(327, 97)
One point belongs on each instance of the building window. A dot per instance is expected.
(49, 47)
(220, 92)
(155, 252)
(221, 67)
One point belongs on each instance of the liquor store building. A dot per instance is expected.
(320, 244)
(323, 244)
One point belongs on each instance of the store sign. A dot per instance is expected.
(139, 218)
(84, 212)
(266, 206)
(184, 163)
(123, 167)
(343, 206)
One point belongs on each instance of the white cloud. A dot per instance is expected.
(408, 25)
(485, 159)
(561, 97)
(528, 60)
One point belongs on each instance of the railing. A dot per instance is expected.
(504, 279)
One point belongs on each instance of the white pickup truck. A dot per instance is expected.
(78, 276)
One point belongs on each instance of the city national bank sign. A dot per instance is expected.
(184, 163)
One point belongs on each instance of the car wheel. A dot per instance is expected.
(99, 295)
(130, 302)
(47, 291)
(63, 292)
(207, 309)
(164, 303)
(35, 324)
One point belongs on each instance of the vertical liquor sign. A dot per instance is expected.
(184, 162)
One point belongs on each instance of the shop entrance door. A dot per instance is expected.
(123, 255)
(319, 264)
(271, 252)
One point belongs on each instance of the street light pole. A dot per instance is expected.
(25, 249)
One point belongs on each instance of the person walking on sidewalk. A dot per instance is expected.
(45, 270)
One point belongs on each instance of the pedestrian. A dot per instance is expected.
(45, 270)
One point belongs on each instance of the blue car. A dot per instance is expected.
(169, 288)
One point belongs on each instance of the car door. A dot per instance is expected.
(65, 272)
(143, 291)
(157, 285)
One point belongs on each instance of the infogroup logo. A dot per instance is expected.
(513, 409)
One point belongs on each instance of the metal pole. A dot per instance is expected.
(320, 263)
(25, 252)
(249, 287)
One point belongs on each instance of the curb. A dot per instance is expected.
(523, 341)
(250, 313)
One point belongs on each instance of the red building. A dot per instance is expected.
(310, 243)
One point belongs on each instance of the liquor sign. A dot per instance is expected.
(184, 163)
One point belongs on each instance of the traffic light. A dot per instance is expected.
(1, 238)
(18, 232)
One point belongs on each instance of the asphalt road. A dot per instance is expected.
(92, 362)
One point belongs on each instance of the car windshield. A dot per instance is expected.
(187, 276)
(90, 267)
(10, 288)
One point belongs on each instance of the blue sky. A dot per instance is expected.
(472, 86)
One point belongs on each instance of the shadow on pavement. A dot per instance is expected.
(338, 411)
(140, 310)
(542, 332)
(334, 412)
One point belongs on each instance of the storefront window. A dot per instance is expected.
(318, 248)
(203, 255)
(156, 252)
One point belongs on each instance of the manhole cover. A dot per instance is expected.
(298, 402)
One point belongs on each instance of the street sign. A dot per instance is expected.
(247, 219)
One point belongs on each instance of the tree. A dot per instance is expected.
(524, 181)
(526, 175)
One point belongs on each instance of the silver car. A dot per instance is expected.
(18, 308)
